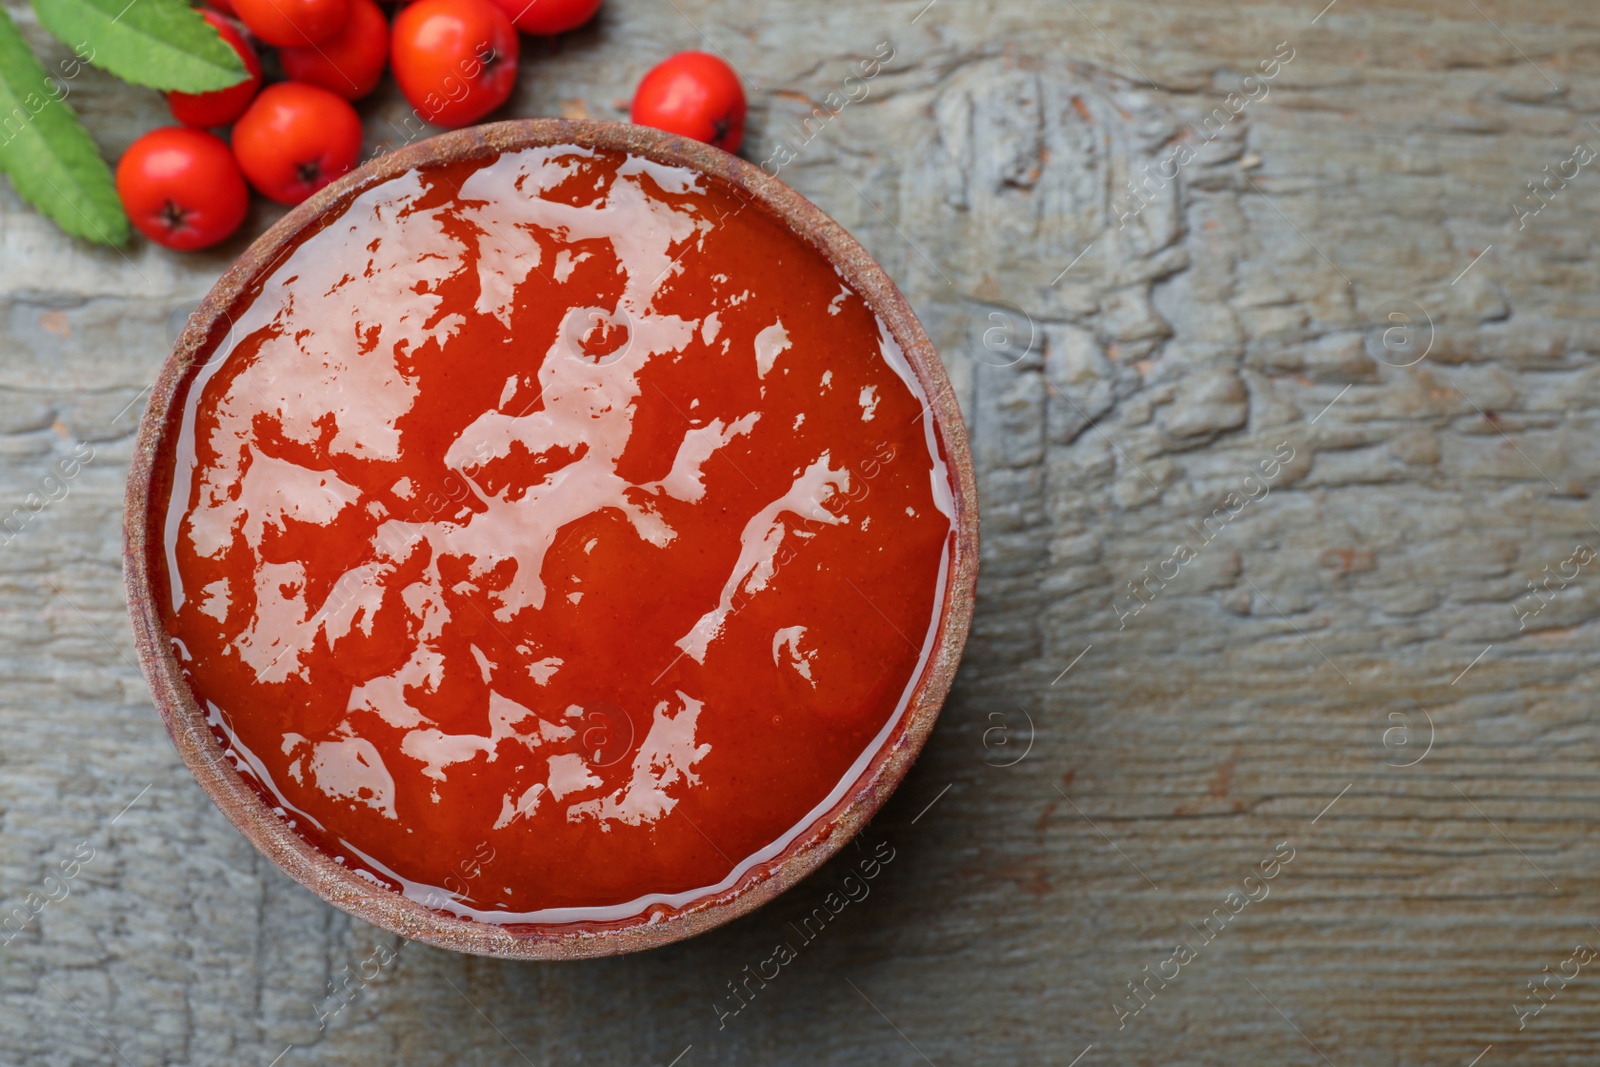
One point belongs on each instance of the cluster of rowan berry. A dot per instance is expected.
(455, 61)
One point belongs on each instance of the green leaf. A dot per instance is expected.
(44, 148)
(165, 44)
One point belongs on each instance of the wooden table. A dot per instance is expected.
(1321, 349)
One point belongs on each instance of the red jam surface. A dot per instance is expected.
(554, 537)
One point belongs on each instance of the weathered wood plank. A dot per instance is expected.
(1296, 661)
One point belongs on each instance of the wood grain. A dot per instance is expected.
(1274, 690)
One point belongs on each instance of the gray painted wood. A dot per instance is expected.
(1349, 663)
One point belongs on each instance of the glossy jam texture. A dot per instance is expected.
(554, 536)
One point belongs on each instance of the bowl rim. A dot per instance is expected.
(386, 908)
